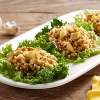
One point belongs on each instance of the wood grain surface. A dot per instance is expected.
(29, 14)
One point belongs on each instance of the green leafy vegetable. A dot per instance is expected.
(26, 43)
(45, 75)
(5, 50)
(44, 31)
(18, 76)
(57, 23)
(6, 68)
(86, 54)
(60, 70)
(79, 21)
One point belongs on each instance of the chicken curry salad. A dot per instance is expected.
(46, 58)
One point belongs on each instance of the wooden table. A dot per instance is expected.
(31, 13)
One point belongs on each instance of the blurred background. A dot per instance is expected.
(31, 13)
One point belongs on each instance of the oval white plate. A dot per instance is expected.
(75, 70)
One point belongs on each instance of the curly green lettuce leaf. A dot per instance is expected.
(6, 68)
(26, 43)
(57, 23)
(43, 32)
(79, 21)
(86, 54)
(5, 50)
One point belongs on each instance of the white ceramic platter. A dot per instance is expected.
(75, 70)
